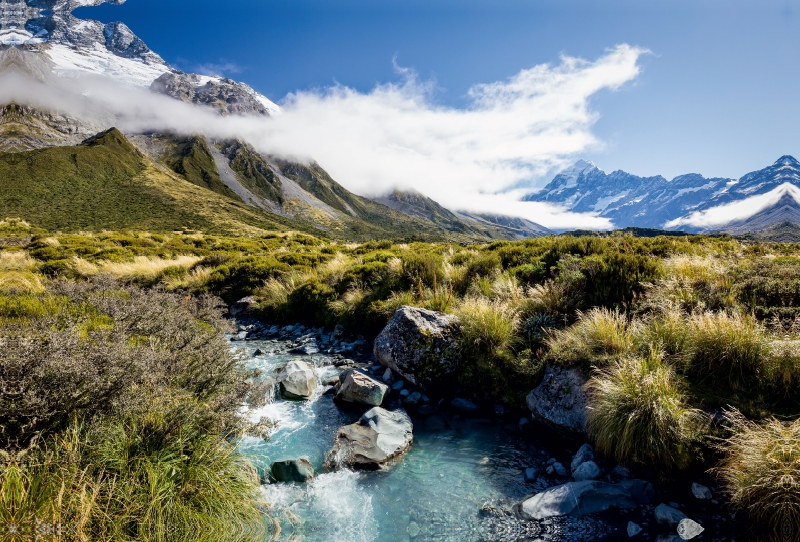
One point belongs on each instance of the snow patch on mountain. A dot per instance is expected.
(97, 60)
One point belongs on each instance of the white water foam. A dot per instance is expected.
(334, 507)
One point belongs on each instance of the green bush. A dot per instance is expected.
(310, 302)
(240, 278)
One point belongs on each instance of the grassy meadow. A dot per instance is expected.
(689, 346)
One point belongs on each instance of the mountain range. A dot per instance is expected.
(756, 202)
(76, 171)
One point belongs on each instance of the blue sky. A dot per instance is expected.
(717, 96)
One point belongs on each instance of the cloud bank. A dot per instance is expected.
(473, 159)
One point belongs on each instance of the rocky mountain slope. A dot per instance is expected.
(44, 42)
(758, 201)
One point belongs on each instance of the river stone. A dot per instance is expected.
(576, 499)
(584, 454)
(420, 345)
(293, 470)
(379, 436)
(642, 491)
(689, 529)
(586, 471)
(633, 529)
(464, 405)
(701, 492)
(667, 515)
(242, 307)
(297, 380)
(356, 387)
(559, 400)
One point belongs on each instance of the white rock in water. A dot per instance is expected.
(379, 436)
(689, 529)
(356, 387)
(297, 380)
(701, 492)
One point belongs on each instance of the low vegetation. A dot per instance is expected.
(669, 331)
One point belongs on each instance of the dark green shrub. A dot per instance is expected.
(240, 278)
(309, 303)
(483, 265)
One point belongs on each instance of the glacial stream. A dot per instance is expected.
(458, 482)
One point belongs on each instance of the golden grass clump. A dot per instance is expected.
(761, 470)
(638, 413)
(486, 323)
(598, 338)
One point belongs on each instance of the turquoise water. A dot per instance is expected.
(455, 467)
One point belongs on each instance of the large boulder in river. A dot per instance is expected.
(242, 307)
(378, 437)
(420, 345)
(576, 499)
(356, 387)
(559, 401)
(293, 470)
(297, 380)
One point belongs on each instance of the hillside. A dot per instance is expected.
(107, 183)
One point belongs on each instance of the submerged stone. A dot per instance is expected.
(293, 470)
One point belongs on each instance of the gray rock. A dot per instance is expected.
(558, 469)
(297, 380)
(397, 386)
(576, 499)
(701, 492)
(293, 470)
(524, 423)
(689, 529)
(378, 437)
(560, 401)
(464, 405)
(258, 352)
(586, 471)
(667, 515)
(633, 529)
(413, 399)
(242, 307)
(642, 491)
(531, 475)
(622, 471)
(388, 377)
(420, 345)
(356, 387)
(584, 454)
(306, 349)
(404, 393)
(339, 331)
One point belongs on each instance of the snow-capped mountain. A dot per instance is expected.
(691, 202)
(78, 47)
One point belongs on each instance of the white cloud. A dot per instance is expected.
(737, 210)
(395, 136)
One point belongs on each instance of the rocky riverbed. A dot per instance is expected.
(440, 468)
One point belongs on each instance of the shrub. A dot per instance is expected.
(309, 303)
(423, 269)
(487, 325)
(599, 337)
(237, 279)
(667, 332)
(761, 470)
(638, 413)
(484, 265)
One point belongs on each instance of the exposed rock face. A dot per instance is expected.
(356, 387)
(378, 437)
(576, 499)
(293, 470)
(297, 380)
(226, 95)
(420, 345)
(559, 400)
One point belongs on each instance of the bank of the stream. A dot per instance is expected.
(460, 481)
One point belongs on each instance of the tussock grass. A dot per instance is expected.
(142, 268)
(639, 413)
(487, 324)
(761, 470)
(598, 338)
